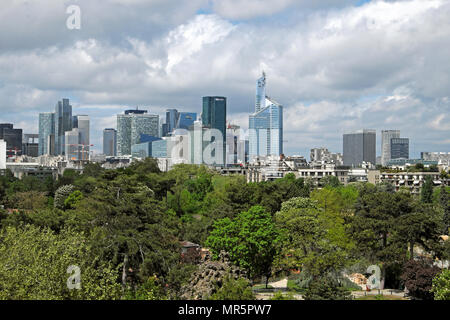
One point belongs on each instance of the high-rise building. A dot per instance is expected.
(386, 136)
(30, 145)
(399, 148)
(109, 142)
(196, 143)
(214, 118)
(130, 127)
(359, 147)
(185, 120)
(72, 150)
(83, 125)
(265, 125)
(147, 124)
(13, 139)
(2, 154)
(46, 133)
(171, 119)
(63, 123)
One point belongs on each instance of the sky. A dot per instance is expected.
(335, 65)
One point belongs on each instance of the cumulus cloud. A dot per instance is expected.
(341, 67)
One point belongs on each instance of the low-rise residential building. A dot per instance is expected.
(413, 181)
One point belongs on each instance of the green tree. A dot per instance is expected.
(34, 263)
(326, 288)
(418, 277)
(426, 194)
(314, 239)
(445, 204)
(251, 239)
(441, 286)
(73, 199)
(231, 289)
(61, 195)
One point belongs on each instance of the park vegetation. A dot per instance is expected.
(123, 229)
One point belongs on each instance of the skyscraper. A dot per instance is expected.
(386, 136)
(359, 147)
(266, 124)
(399, 148)
(171, 119)
(63, 123)
(214, 117)
(185, 120)
(13, 139)
(46, 133)
(72, 150)
(130, 127)
(109, 142)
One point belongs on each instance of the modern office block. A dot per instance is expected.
(63, 123)
(46, 133)
(171, 120)
(72, 151)
(130, 127)
(359, 147)
(399, 148)
(141, 150)
(265, 125)
(144, 124)
(159, 148)
(30, 145)
(13, 139)
(214, 118)
(386, 136)
(83, 124)
(186, 119)
(109, 142)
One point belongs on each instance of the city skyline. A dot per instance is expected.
(329, 75)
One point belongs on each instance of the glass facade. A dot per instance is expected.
(359, 147)
(46, 131)
(63, 123)
(123, 134)
(214, 116)
(109, 142)
(261, 93)
(131, 126)
(159, 149)
(13, 139)
(399, 148)
(186, 119)
(141, 150)
(265, 125)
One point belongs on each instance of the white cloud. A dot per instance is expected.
(380, 65)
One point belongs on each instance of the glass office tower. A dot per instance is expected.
(214, 116)
(399, 148)
(359, 147)
(265, 125)
(63, 123)
(13, 139)
(386, 136)
(109, 142)
(130, 127)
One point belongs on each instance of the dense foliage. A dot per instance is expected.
(123, 229)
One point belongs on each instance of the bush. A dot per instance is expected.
(326, 288)
(234, 290)
(441, 286)
(418, 277)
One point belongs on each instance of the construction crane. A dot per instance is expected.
(83, 150)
